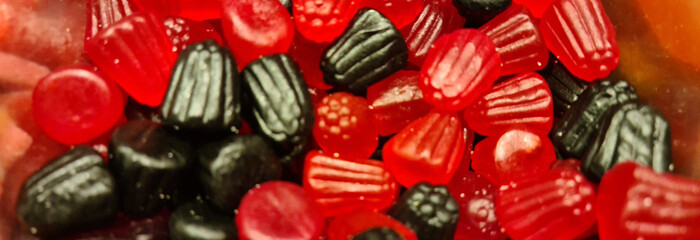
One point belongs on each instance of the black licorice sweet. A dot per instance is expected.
(565, 87)
(478, 12)
(198, 220)
(379, 233)
(430, 211)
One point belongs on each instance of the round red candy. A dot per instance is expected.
(345, 126)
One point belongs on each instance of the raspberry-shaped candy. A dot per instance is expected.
(184, 32)
(345, 127)
(278, 210)
(518, 41)
(458, 69)
(345, 185)
(521, 101)
(560, 204)
(323, 20)
(400, 12)
(102, 13)
(513, 155)
(256, 28)
(634, 202)
(77, 104)
(435, 20)
(354, 223)
(581, 35)
(429, 210)
(396, 101)
(136, 53)
(476, 197)
(428, 150)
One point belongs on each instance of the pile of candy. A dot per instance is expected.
(348, 119)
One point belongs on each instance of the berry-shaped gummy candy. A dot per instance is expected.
(434, 21)
(351, 224)
(323, 20)
(476, 197)
(183, 32)
(345, 126)
(102, 13)
(396, 101)
(429, 210)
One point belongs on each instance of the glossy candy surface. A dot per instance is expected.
(396, 101)
(635, 202)
(378, 234)
(458, 69)
(400, 12)
(308, 55)
(537, 7)
(350, 224)
(518, 41)
(183, 32)
(197, 220)
(369, 50)
(345, 126)
(346, 185)
(136, 53)
(427, 150)
(102, 13)
(193, 9)
(581, 35)
(74, 105)
(479, 12)
(476, 197)
(521, 101)
(566, 88)
(433, 21)
(323, 20)
(428, 210)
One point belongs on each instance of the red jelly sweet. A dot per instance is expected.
(256, 28)
(634, 202)
(400, 12)
(183, 32)
(522, 101)
(344, 227)
(458, 69)
(557, 205)
(581, 36)
(345, 185)
(192, 9)
(323, 20)
(435, 20)
(345, 127)
(396, 101)
(77, 104)
(307, 54)
(102, 13)
(476, 197)
(429, 149)
(278, 210)
(518, 41)
(136, 53)
(537, 7)
(571, 164)
(513, 155)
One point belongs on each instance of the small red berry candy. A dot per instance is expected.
(400, 12)
(102, 13)
(256, 28)
(183, 32)
(136, 53)
(476, 197)
(537, 7)
(396, 101)
(557, 205)
(323, 20)
(518, 41)
(77, 104)
(427, 150)
(581, 36)
(634, 202)
(345, 127)
(345, 185)
(192, 9)
(459, 68)
(278, 210)
(435, 20)
(522, 101)
(308, 55)
(345, 226)
(512, 155)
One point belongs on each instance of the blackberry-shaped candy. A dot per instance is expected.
(197, 220)
(149, 165)
(380, 233)
(566, 88)
(479, 12)
(204, 91)
(429, 210)
(370, 49)
(228, 169)
(74, 191)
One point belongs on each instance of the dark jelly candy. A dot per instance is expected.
(479, 12)
(197, 220)
(565, 87)
(429, 210)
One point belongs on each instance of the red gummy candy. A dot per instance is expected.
(278, 210)
(345, 127)
(323, 20)
(557, 205)
(307, 54)
(183, 32)
(341, 186)
(427, 150)
(192, 9)
(434, 21)
(518, 41)
(396, 101)
(634, 202)
(136, 53)
(522, 101)
(581, 36)
(102, 13)
(458, 69)
(317, 95)
(256, 28)
(571, 164)
(77, 104)
(537, 7)
(344, 227)
(513, 155)
(400, 12)
(476, 197)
